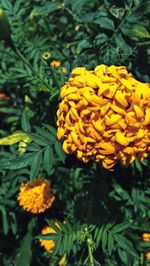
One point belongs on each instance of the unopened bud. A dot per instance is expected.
(5, 29)
(46, 56)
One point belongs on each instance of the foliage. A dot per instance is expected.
(102, 215)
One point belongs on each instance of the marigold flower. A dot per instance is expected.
(105, 116)
(146, 237)
(48, 244)
(55, 63)
(64, 70)
(4, 97)
(148, 255)
(37, 196)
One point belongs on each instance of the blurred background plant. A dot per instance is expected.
(106, 213)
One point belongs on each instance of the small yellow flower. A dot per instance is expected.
(64, 70)
(146, 237)
(48, 244)
(55, 63)
(104, 116)
(148, 255)
(37, 196)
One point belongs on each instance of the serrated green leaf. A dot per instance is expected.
(99, 236)
(48, 236)
(105, 23)
(55, 227)
(38, 139)
(25, 255)
(110, 243)
(33, 147)
(125, 244)
(44, 133)
(140, 31)
(18, 163)
(104, 240)
(4, 220)
(35, 165)
(120, 227)
(138, 166)
(13, 222)
(51, 129)
(64, 243)
(58, 243)
(25, 124)
(48, 159)
(59, 151)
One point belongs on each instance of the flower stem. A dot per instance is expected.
(25, 61)
(90, 252)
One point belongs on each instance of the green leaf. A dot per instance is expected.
(18, 163)
(140, 31)
(120, 227)
(101, 38)
(99, 236)
(48, 236)
(51, 224)
(38, 139)
(33, 147)
(105, 23)
(124, 243)
(57, 247)
(138, 166)
(35, 165)
(25, 255)
(51, 129)
(48, 159)
(25, 124)
(59, 151)
(104, 240)
(4, 220)
(110, 243)
(44, 133)
(13, 222)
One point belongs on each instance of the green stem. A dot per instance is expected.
(90, 252)
(123, 20)
(25, 61)
(54, 78)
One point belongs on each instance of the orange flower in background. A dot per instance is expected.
(55, 63)
(58, 64)
(4, 97)
(148, 255)
(48, 244)
(37, 196)
(146, 237)
(105, 116)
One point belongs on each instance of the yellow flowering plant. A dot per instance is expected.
(74, 133)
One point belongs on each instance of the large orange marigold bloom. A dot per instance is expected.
(105, 116)
(48, 244)
(37, 196)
